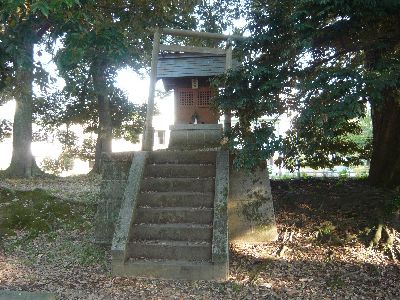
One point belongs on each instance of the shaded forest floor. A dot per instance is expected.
(324, 227)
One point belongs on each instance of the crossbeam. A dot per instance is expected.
(190, 49)
(201, 34)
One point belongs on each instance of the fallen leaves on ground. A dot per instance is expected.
(320, 253)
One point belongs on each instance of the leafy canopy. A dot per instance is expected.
(309, 59)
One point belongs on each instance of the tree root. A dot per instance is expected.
(390, 236)
(34, 171)
(377, 236)
(384, 237)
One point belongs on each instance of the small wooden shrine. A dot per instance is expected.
(188, 71)
(189, 74)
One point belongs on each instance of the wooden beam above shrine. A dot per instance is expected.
(190, 49)
(201, 34)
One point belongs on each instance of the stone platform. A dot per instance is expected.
(195, 136)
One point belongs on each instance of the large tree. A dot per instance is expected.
(323, 61)
(101, 38)
(108, 35)
(22, 25)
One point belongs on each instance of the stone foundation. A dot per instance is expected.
(194, 136)
(251, 217)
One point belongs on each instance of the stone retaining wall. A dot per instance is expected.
(251, 217)
(115, 174)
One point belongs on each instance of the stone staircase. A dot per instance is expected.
(171, 231)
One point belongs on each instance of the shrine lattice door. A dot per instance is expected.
(189, 102)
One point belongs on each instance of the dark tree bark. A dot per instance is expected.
(104, 136)
(385, 113)
(22, 161)
(385, 161)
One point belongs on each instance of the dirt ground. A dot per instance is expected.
(324, 228)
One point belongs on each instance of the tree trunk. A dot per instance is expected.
(385, 113)
(385, 161)
(104, 134)
(22, 161)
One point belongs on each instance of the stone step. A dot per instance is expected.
(157, 215)
(177, 185)
(182, 157)
(174, 232)
(177, 199)
(171, 269)
(179, 170)
(165, 249)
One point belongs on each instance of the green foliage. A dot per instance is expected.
(98, 40)
(363, 140)
(71, 148)
(327, 233)
(86, 151)
(56, 166)
(64, 162)
(303, 175)
(35, 211)
(252, 146)
(24, 23)
(67, 139)
(128, 120)
(5, 129)
(321, 62)
(344, 174)
(237, 287)
(90, 254)
(51, 165)
(326, 228)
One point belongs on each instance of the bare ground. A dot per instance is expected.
(324, 227)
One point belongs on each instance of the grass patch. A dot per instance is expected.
(37, 212)
(83, 253)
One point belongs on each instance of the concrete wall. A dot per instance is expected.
(115, 176)
(251, 217)
(220, 241)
